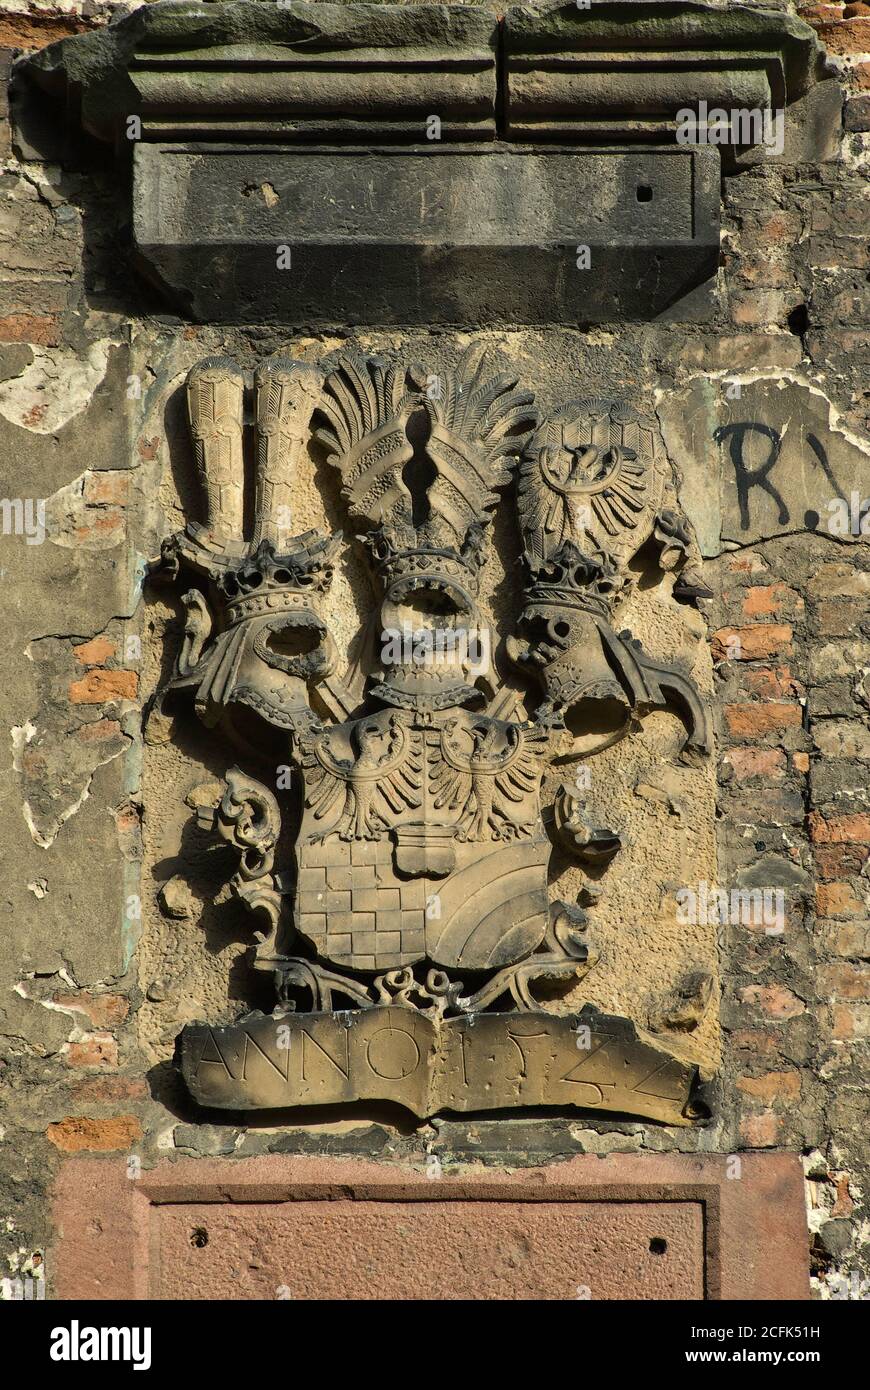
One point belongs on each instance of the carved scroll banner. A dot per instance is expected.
(485, 1062)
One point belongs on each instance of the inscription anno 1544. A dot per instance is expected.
(410, 934)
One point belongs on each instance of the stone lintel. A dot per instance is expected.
(396, 233)
(410, 236)
(652, 1226)
(299, 72)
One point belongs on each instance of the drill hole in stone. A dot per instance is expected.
(644, 193)
(799, 320)
(199, 1237)
(658, 1245)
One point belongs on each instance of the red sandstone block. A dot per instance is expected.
(751, 1242)
(768, 599)
(31, 31)
(840, 829)
(761, 1131)
(759, 307)
(845, 36)
(810, 12)
(756, 1042)
(94, 653)
(750, 721)
(746, 564)
(108, 1090)
(40, 329)
(106, 489)
(99, 687)
(756, 762)
(839, 900)
(840, 861)
(93, 1050)
(100, 523)
(770, 683)
(776, 228)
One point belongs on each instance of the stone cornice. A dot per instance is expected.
(298, 72)
(437, 163)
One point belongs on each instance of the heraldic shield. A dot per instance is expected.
(404, 869)
(422, 838)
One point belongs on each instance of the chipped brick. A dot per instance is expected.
(94, 653)
(102, 1010)
(761, 1131)
(842, 980)
(85, 1133)
(99, 687)
(775, 1000)
(839, 899)
(750, 721)
(751, 643)
(773, 1086)
(93, 1050)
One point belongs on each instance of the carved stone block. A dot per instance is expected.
(417, 890)
(344, 133)
(626, 1226)
(423, 236)
(783, 460)
(623, 69)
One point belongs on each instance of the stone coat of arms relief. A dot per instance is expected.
(411, 934)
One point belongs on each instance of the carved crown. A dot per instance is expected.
(406, 563)
(576, 579)
(267, 582)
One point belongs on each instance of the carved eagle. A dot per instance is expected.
(383, 779)
(486, 772)
(593, 469)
